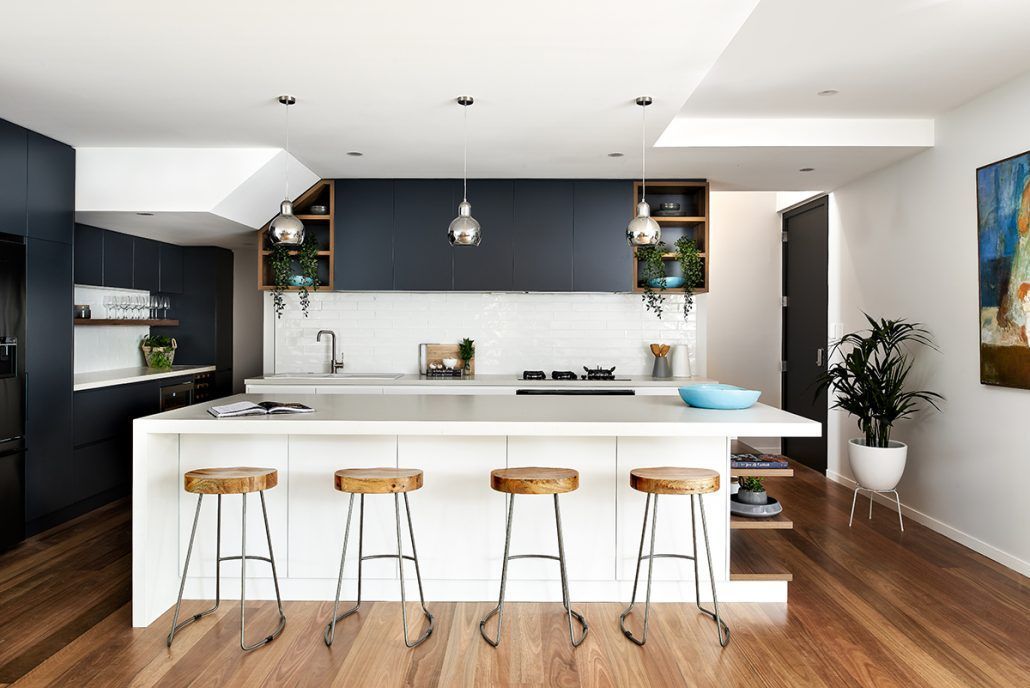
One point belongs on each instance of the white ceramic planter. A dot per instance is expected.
(877, 468)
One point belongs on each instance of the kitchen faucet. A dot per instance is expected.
(334, 365)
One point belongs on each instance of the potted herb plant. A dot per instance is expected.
(158, 351)
(868, 377)
(467, 351)
(752, 491)
(655, 281)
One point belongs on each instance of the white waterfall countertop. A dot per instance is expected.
(471, 415)
(126, 376)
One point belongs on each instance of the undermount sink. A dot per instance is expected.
(360, 377)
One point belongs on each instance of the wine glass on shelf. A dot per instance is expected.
(141, 307)
(165, 305)
(108, 305)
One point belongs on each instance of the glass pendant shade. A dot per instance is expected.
(285, 228)
(643, 230)
(464, 229)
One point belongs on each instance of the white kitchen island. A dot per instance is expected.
(458, 520)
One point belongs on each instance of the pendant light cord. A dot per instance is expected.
(286, 160)
(465, 177)
(643, 153)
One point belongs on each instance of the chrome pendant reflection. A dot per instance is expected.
(643, 230)
(464, 230)
(285, 228)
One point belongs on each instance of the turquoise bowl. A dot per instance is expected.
(722, 397)
(670, 282)
(300, 281)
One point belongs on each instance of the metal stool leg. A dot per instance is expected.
(400, 571)
(565, 583)
(218, 579)
(330, 629)
(499, 609)
(724, 630)
(636, 575)
(243, 578)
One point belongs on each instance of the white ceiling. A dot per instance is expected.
(553, 81)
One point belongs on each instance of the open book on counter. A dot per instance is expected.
(264, 408)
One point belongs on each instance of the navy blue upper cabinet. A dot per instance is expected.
(170, 279)
(423, 209)
(12, 178)
(601, 257)
(488, 267)
(543, 235)
(145, 264)
(117, 260)
(50, 196)
(363, 245)
(89, 255)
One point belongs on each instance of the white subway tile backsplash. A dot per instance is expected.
(381, 332)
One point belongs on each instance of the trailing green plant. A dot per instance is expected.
(751, 484)
(467, 350)
(156, 341)
(869, 373)
(653, 268)
(692, 269)
(279, 261)
(307, 257)
(161, 351)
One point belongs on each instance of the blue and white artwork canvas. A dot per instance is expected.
(1003, 218)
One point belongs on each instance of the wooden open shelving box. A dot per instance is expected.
(692, 195)
(324, 192)
(750, 557)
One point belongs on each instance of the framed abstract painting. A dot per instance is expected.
(1003, 230)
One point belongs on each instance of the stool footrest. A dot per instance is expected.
(534, 556)
(386, 556)
(248, 558)
(664, 556)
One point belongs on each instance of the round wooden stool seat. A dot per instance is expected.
(534, 480)
(230, 480)
(674, 480)
(378, 480)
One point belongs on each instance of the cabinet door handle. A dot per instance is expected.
(819, 357)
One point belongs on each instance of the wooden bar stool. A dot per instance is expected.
(552, 481)
(674, 481)
(223, 481)
(395, 481)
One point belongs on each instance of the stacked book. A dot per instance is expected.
(763, 461)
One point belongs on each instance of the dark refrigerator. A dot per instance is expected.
(12, 390)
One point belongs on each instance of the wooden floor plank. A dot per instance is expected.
(869, 606)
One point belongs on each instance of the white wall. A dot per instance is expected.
(903, 243)
(380, 332)
(247, 313)
(103, 347)
(744, 314)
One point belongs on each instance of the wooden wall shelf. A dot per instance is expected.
(127, 323)
(761, 472)
(771, 522)
(322, 226)
(692, 195)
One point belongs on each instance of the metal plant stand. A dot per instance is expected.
(243, 557)
(854, 498)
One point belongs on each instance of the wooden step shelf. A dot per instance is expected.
(127, 323)
(779, 521)
(266, 252)
(321, 192)
(761, 472)
(757, 556)
(693, 195)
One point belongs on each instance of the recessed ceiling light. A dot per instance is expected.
(145, 214)
(807, 169)
(355, 154)
(615, 155)
(828, 92)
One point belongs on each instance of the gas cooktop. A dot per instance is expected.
(596, 374)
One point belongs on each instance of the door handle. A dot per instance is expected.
(819, 357)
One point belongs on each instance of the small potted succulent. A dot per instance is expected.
(158, 351)
(752, 491)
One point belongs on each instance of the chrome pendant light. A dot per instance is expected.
(464, 229)
(285, 228)
(642, 230)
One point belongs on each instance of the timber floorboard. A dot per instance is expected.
(869, 606)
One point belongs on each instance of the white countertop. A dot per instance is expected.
(507, 380)
(473, 415)
(125, 376)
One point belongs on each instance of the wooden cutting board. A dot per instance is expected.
(435, 353)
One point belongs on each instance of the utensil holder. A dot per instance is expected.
(661, 369)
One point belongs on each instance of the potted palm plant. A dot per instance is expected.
(868, 377)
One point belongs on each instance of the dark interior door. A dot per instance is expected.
(805, 324)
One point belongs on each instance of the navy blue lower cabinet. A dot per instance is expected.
(13, 151)
(423, 209)
(363, 244)
(543, 235)
(602, 260)
(489, 266)
(49, 366)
